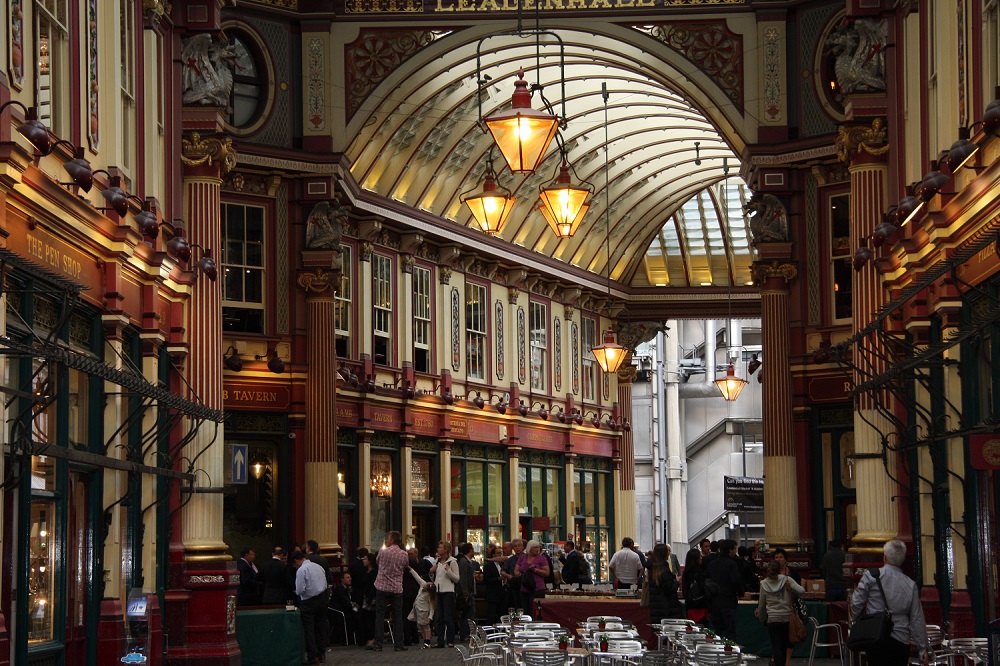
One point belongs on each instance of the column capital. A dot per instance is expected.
(764, 272)
(319, 282)
(197, 151)
(862, 143)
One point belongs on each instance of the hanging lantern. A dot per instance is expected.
(521, 133)
(731, 385)
(490, 206)
(609, 355)
(564, 205)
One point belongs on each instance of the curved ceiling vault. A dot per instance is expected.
(674, 222)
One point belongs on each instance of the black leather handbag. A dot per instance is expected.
(871, 630)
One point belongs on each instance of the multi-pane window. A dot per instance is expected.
(382, 308)
(421, 319)
(248, 90)
(52, 59)
(126, 37)
(840, 255)
(342, 305)
(242, 268)
(475, 331)
(589, 336)
(539, 340)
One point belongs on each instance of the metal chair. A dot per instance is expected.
(543, 657)
(939, 653)
(656, 658)
(470, 657)
(975, 650)
(343, 619)
(833, 629)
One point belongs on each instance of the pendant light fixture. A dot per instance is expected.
(491, 205)
(730, 386)
(563, 204)
(522, 134)
(609, 355)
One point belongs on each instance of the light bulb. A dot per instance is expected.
(43, 534)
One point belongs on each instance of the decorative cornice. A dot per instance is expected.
(762, 272)
(793, 157)
(198, 151)
(319, 281)
(862, 138)
(283, 164)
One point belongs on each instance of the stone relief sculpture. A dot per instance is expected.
(859, 52)
(325, 226)
(207, 74)
(768, 220)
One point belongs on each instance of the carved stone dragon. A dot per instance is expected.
(768, 220)
(207, 73)
(859, 52)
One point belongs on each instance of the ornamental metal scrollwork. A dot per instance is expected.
(762, 272)
(861, 138)
(319, 281)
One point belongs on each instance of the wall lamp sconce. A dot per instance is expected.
(447, 396)
(348, 375)
(595, 420)
(260, 464)
(884, 230)
(78, 168)
(560, 415)
(616, 424)
(961, 152)
(991, 116)
(233, 361)
(274, 364)
(32, 128)
(145, 219)
(522, 409)
(931, 183)
(909, 208)
(862, 256)
(116, 197)
(543, 410)
(477, 401)
(576, 417)
(500, 405)
(754, 364)
(179, 248)
(402, 384)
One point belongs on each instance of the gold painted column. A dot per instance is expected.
(781, 510)
(321, 408)
(405, 486)
(628, 527)
(206, 161)
(445, 492)
(365, 488)
(865, 149)
(513, 462)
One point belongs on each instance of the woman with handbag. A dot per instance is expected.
(693, 586)
(661, 587)
(533, 567)
(774, 609)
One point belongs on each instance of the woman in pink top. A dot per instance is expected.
(535, 568)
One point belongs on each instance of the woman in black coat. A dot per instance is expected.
(495, 594)
(694, 595)
(663, 601)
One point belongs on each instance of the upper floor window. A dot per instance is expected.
(242, 268)
(991, 47)
(248, 95)
(421, 319)
(52, 59)
(475, 331)
(589, 341)
(840, 255)
(126, 82)
(382, 308)
(539, 340)
(342, 307)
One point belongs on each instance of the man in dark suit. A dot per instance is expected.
(279, 585)
(340, 601)
(359, 576)
(248, 593)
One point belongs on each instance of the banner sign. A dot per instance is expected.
(984, 451)
(744, 493)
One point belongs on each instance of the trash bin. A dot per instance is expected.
(994, 636)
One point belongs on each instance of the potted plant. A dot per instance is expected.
(602, 642)
(563, 641)
(728, 645)
(709, 635)
(602, 624)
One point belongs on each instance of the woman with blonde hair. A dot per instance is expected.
(774, 609)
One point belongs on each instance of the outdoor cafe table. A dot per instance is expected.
(568, 611)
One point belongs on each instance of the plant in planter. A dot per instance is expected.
(602, 642)
(563, 641)
(728, 645)
(709, 635)
(602, 623)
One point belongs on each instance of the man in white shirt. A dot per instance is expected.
(310, 586)
(625, 565)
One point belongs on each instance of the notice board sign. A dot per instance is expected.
(744, 493)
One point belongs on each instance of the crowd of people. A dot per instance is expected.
(432, 595)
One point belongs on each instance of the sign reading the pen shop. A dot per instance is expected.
(744, 493)
(41, 247)
(255, 396)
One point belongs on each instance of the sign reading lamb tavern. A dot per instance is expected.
(255, 396)
(483, 6)
(744, 493)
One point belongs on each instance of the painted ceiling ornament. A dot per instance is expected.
(859, 55)
(208, 70)
(325, 226)
(768, 219)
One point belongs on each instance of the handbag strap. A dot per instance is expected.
(877, 575)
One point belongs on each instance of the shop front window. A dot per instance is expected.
(540, 491)
(344, 488)
(421, 480)
(41, 554)
(477, 491)
(381, 497)
(593, 513)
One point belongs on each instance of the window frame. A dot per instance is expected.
(588, 362)
(59, 75)
(383, 284)
(839, 252)
(343, 299)
(540, 374)
(477, 335)
(127, 83)
(423, 322)
(227, 265)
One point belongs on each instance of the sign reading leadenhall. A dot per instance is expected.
(480, 6)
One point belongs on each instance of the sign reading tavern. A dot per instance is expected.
(482, 6)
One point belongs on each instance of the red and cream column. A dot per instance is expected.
(208, 573)
(321, 407)
(626, 499)
(781, 482)
(865, 149)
